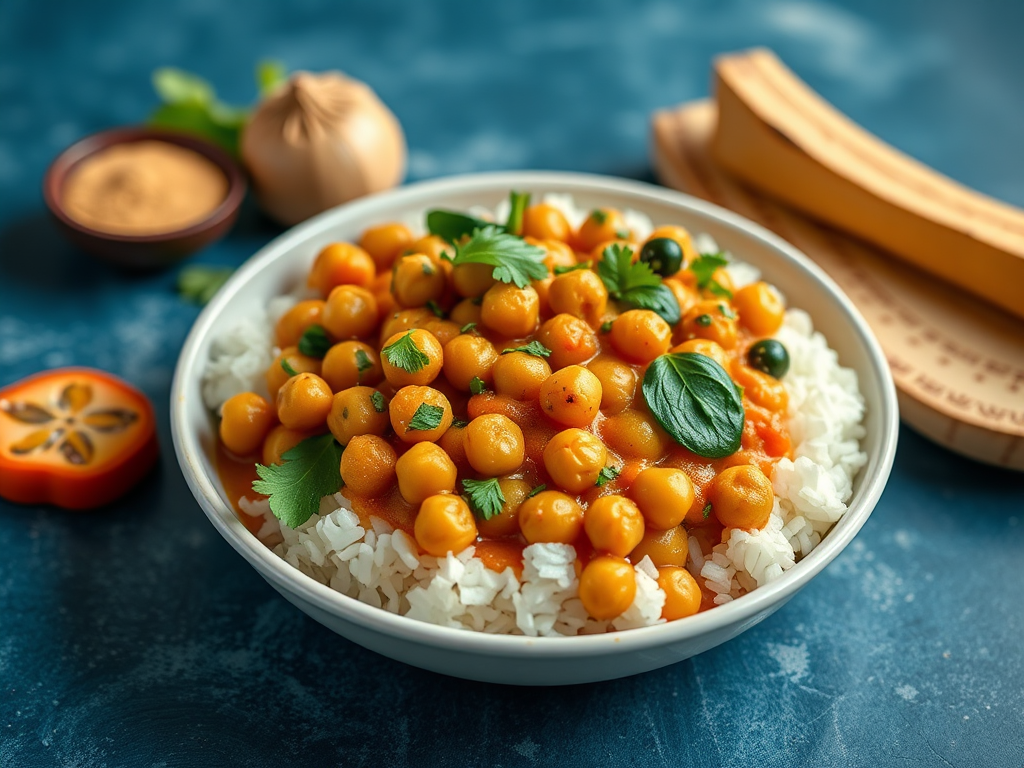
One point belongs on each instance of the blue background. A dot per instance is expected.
(135, 637)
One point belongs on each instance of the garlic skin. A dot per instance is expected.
(319, 141)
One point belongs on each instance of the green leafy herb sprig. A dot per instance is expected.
(635, 284)
(704, 268)
(308, 472)
(199, 283)
(484, 497)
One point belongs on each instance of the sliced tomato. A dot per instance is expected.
(74, 437)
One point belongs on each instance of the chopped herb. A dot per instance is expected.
(428, 269)
(606, 326)
(434, 307)
(459, 423)
(477, 300)
(560, 270)
(599, 216)
(704, 268)
(199, 284)
(635, 284)
(377, 398)
(537, 489)
(288, 367)
(404, 354)
(314, 342)
(426, 417)
(707, 510)
(623, 234)
(269, 75)
(726, 310)
(607, 474)
(363, 361)
(704, 320)
(477, 385)
(309, 471)
(514, 260)
(534, 348)
(519, 202)
(467, 328)
(454, 226)
(719, 290)
(484, 496)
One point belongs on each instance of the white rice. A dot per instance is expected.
(383, 568)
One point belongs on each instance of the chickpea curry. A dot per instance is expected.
(504, 385)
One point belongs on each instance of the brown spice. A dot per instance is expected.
(143, 188)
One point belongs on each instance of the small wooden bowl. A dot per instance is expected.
(144, 251)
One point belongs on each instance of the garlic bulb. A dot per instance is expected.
(319, 141)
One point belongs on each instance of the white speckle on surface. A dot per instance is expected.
(906, 692)
(904, 540)
(793, 660)
(527, 748)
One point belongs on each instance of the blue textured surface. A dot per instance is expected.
(136, 637)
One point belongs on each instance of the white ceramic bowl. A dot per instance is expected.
(512, 659)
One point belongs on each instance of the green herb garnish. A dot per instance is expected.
(199, 283)
(606, 475)
(314, 342)
(287, 367)
(704, 267)
(477, 385)
(704, 320)
(727, 311)
(560, 270)
(606, 326)
(453, 226)
(536, 489)
(403, 353)
(467, 328)
(635, 284)
(519, 202)
(707, 510)
(484, 497)
(434, 307)
(426, 418)
(363, 362)
(377, 398)
(459, 423)
(514, 260)
(696, 402)
(309, 471)
(599, 216)
(534, 348)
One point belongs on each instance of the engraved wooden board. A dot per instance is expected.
(957, 362)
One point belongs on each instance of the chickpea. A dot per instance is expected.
(681, 236)
(550, 517)
(685, 295)
(762, 389)
(635, 435)
(760, 309)
(425, 400)
(580, 293)
(640, 335)
(494, 444)
(520, 375)
(510, 310)
(341, 264)
(464, 313)
(451, 442)
(381, 290)
(303, 402)
(405, 320)
(443, 330)
(293, 323)
(444, 524)
(469, 357)
(607, 587)
(384, 242)
(401, 347)
(424, 470)
(559, 253)
(245, 420)
(574, 458)
(545, 222)
(506, 522)
(433, 246)
(721, 278)
(614, 525)
(618, 384)
(707, 348)
(742, 497)
(472, 280)
(571, 396)
(350, 363)
(279, 441)
(416, 280)
(368, 466)
(276, 374)
(711, 319)
(570, 340)
(664, 495)
(682, 593)
(602, 225)
(350, 312)
(354, 411)
(669, 547)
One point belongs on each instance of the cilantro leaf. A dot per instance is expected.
(434, 307)
(561, 270)
(599, 216)
(519, 202)
(606, 475)
(477, 385)
(606, 326)
(363, 361)
(379, 404)
(190, 105)
(484, 496)
(453, 226)
(315, 342)
(199, 283)
(636, 284)
(287, 367)
(514, 260)
(310, 471)
(707, 510)
(534, 348)
(467, 328)
(536, 489)
(460, 423)
(403, 353)
(704, 266)
(426, 417)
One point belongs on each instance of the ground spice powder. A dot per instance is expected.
(143, 188)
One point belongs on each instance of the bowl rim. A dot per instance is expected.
(58, 171)
(292, 582)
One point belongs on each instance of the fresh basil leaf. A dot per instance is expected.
(315, 342)
(696, 402)
(606, 475)
(658, 299)
(453, 226)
